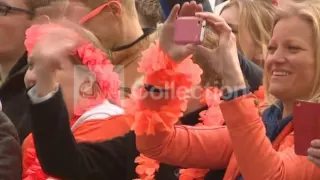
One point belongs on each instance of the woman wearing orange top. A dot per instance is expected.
(251, 146)
(86, 79)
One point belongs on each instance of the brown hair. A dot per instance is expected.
(150, 10)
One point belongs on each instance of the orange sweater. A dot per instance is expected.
(241, 146)
(93, 131)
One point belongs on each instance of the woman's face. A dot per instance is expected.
(244, 41)
(231, 16)
(67, 79)
(290, 62)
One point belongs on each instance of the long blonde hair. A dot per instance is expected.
(257, 18)
(309, 11)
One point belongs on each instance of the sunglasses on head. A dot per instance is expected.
(96, 11)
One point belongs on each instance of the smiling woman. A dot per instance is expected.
(292, 72)
(290, 61)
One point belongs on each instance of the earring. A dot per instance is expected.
(85, 87)
(94, 90)
(42, 19)
(48, 18)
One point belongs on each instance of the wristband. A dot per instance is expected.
(228, 96)
(151, 88)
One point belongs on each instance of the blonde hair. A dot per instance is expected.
(308, 11)
(257, 18)
(91, 38)
(88, 35)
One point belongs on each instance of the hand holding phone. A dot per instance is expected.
(189, 30)
(306, 124)
(167, 35)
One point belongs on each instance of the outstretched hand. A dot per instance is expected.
(52, 54)
(57, 44)
(174, 51)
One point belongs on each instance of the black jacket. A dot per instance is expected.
(61, 157)
(252, 72)
(14, 100)
(10, 151)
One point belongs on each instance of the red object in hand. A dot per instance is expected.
(306, 124)
(189, 30)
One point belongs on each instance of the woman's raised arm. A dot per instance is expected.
(187, 146)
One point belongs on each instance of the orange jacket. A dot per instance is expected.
(92, 130)
(241, 146)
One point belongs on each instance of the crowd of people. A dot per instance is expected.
(100, 90)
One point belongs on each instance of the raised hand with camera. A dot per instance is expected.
(224, 58)
(167, 43)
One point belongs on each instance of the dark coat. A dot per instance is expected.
(10, 151)
(14, 99)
